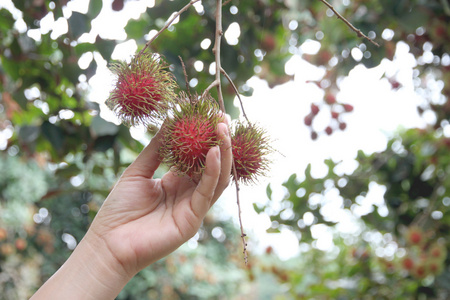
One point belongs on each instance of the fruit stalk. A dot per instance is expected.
(168, 23)
(217, 83)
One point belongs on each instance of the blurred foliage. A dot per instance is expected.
(413, 175)
(59, 158)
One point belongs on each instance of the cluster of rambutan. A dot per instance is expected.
(145, 94)
(424, 256)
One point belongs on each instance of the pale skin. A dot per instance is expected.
(141, 221)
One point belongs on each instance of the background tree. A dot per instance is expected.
(59, 158)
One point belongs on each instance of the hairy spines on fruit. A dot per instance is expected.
(250, 146)
(189, 133)
(143, 90)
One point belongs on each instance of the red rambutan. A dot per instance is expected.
(250, 149)
(437, 251)
(408, 263)
(415, 235)
(143, 90)
(436, 267)
(420, 271)
(190, 133)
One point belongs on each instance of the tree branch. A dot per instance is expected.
(358, 32)
(446, 7)
(213, 84)
(421, 218)
(217, 83)
(185, 76)
(216, 51)
(236, 92)
(168, 23)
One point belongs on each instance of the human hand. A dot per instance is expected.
(142, 220)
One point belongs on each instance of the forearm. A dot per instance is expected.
(91, 272)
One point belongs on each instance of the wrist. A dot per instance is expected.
(91, 272)
(103, 270)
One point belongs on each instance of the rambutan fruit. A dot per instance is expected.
(348, 107)
(250, 146)
(420, 271)
(190, 133)
(436, 267)
(415, 235)
(407, 263)
(314, 109)
(143, 90)
(308, 119)
(437, 251)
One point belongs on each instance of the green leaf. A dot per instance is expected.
(71, 71)
(29, 134)
(104, 143)
(11, 67)
(6, 19)
(54, 135)
(84, 47)
(101, 127)
(105, 47)
(258, 209)
(69, 171)
(273, 230)
(135, 29)
(95, 6)
(20, 98)
(269, 192)
(79, 24)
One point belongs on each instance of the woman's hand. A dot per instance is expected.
(142, 220)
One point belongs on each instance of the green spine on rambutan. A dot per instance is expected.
(251, 147)
(190, 133)
(143, 90)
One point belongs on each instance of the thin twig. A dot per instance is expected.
(185, 76)
(236, 92)
(420, 219)
(168, 23)
(243, 235)
(216, 51)
(217, 83)
(213, 84)
(226, 2)
(358, 32)
(446, 7)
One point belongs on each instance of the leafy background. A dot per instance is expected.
(59, 158)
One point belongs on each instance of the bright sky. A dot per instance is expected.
(378, 113)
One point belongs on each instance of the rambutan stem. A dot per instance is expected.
(236, 92)
(243, 235)
(185, 75)
(216, 51)
(217, 84)
(420, 219)
(213, 84)
(358, 32)
(226, 2)
(168, 23)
